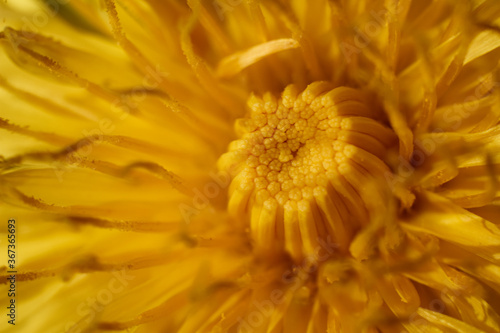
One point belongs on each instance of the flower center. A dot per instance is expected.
(303, 167)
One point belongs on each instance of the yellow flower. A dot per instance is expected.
(250, 166)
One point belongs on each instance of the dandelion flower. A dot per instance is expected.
(251, 166)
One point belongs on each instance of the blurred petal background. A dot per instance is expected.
(251, 166)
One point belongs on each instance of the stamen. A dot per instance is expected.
(304, 166)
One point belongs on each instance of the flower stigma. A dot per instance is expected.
(304, 165)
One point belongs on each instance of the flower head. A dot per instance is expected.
(252, 166)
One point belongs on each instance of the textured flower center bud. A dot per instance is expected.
(303, 164)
